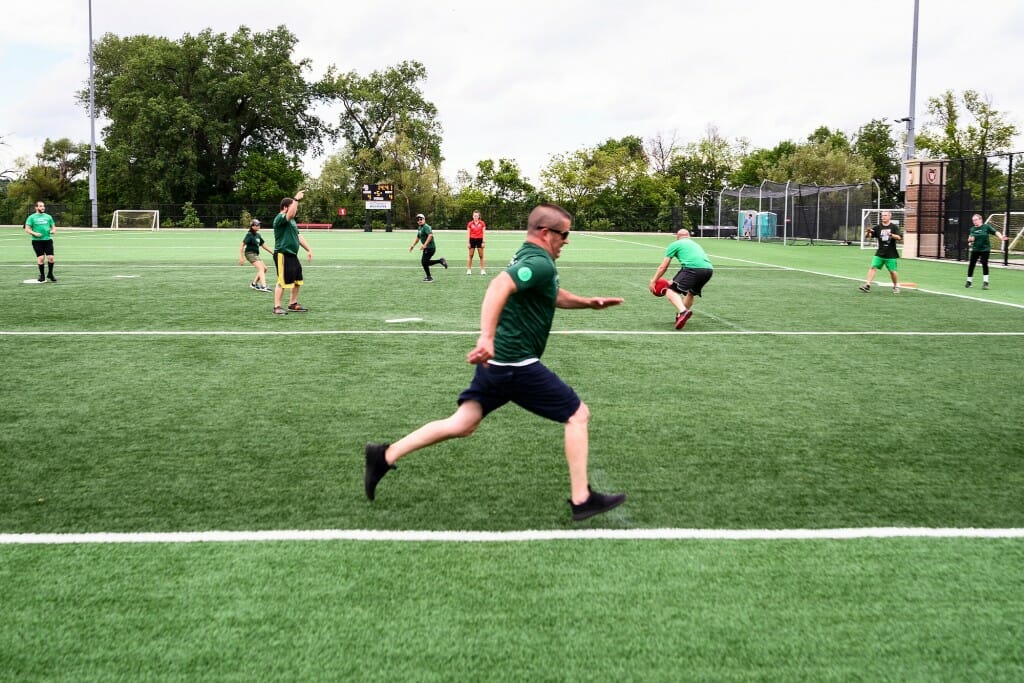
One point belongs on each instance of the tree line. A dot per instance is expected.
(224, 120)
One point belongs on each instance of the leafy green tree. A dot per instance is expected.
(874, 143)
(503, 182)
(986, 130)
(392, 132)
(186, 115)
(757, 165)
(265, 179)
(609, 186)
(699, 170)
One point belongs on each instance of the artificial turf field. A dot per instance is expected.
(150, 391)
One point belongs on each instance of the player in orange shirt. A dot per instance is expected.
(475, 229)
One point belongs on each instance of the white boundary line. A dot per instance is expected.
(455, 333)
(508, 536)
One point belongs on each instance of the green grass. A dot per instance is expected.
(151, 390)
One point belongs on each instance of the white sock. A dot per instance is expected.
(984, 278)
(969, 279)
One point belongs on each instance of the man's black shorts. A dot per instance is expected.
(533, 387)
(289, 269)
(43, 247)
(691, 280)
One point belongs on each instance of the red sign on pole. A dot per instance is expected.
(342, 211)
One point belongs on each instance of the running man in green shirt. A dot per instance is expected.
(888, 234)
(695, 270)
(980, 248)
(41, 227)
(515, 320)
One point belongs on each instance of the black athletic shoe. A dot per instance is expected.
(376, 467)
(596, 504)
(865, 288)
(297, 308)
(51, 278)
(985, 286)
(967, 285)
(444, 263)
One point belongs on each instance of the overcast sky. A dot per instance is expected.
(528, 79)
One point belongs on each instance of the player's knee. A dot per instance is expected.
(581, 416)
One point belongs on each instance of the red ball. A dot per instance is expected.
(660, 286)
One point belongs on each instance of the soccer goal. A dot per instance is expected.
(869, 218)
(1011, 224)
(135, 219)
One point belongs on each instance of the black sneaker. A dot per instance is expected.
(428, 279)
(253, 285)
(41, 279)
(444, 263)
(985, 286)
(297, 308)
(596, 504)
(51, 278)
(376, 467)
(967, 285)
(865, 288)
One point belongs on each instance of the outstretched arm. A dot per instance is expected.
(567, 299)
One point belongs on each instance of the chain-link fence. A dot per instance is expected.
(795, 212)
(992, 186)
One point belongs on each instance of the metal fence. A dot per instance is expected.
(802, 212)
(990, 185)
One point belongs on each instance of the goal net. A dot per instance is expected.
(128, 219)
(869, 218)
(1011, 224)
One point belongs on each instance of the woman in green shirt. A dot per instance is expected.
(250, 251)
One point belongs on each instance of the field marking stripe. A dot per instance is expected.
(638, 333)
(507, 536)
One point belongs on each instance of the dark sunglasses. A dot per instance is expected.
(564, 234)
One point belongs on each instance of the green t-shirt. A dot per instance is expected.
(980, 235)
(41, 223)
(286, 234)
(689, 254)
(525, 321)
(422, 235)
(252, 241)
(886, 245)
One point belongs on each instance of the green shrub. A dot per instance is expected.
(191, 218)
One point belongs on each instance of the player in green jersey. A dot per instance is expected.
(428, 245)
(41, 228)
(515, 320)
(287, 241)
(695, 270)
(980, 248)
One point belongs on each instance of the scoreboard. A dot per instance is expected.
(380, 192)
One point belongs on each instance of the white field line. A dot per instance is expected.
(507, 536)
(566, 333)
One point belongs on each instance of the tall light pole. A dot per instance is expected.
(909, 153)
(92, 130)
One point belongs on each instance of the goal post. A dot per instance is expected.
(869, 218)
(1011, 224)
(135, 219)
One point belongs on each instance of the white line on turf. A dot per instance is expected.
(507, 536)
(456, 333)
(404, 320)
